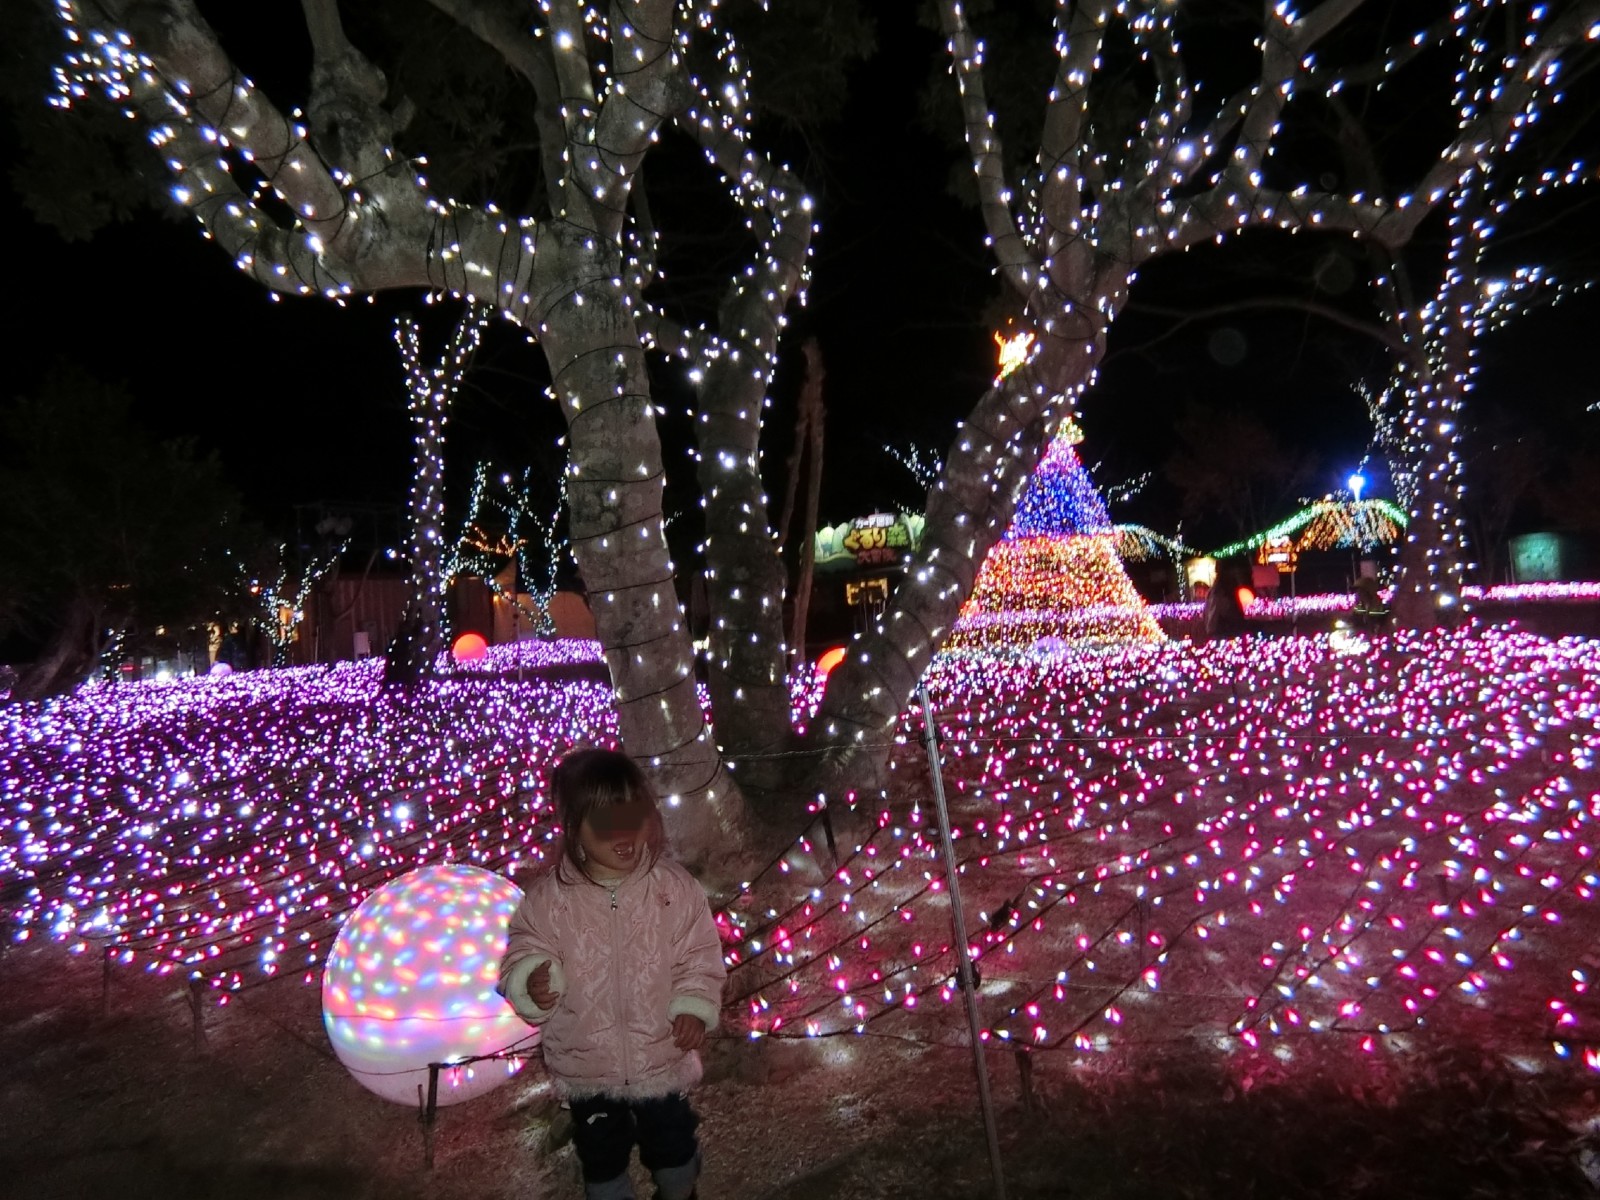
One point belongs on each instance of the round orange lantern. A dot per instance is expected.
(469, 648)
(829, 660)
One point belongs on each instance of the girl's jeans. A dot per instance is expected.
(605, 1130)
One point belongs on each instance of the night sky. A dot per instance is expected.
(304, 401)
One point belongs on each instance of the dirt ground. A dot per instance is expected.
(124, 1104)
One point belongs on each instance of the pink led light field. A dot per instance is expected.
(224, 826)
(1239, 845)
(1235, 845)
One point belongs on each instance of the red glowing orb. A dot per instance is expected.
(829, 660)
(1246, 597)
(469, 648)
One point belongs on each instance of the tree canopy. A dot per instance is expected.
(107, 532)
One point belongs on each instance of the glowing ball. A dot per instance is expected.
(469, 647)
(830, 659)
(220, 668)
(411, 981)
(1246, 597)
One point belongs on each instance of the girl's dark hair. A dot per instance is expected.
(589, 779)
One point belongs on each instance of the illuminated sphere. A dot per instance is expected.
(830, 659)
(220, 668)
(469, 647)
(411, 981)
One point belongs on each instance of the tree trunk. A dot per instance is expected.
(405, 660)
(797, 452)
(430, 390)
(1428, 587)
(747, 674)
(811, 402)
(614, 489)
(748, 669)
(68, 658)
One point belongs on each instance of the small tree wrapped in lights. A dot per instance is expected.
(278, 590)
(429, 390)
(504, 536)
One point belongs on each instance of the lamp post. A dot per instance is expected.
(1356, 482)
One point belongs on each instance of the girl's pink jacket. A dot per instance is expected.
(624, 962)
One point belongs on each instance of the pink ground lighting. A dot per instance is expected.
(225, 825)
(1236, 844)
(1233, 843)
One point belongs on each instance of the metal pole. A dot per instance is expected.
(429, 1111)
(958, 924)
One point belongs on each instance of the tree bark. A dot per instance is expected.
(1431, 569)
(816, 411)
(424, 618)
(430, 392)
(749, 660)
(68, 658)
(615, 481)
(747, 674)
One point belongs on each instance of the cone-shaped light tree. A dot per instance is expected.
(1055, 578)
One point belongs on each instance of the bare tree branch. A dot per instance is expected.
(1015, 260)
(499, 27)
(328, 41)
(1185, 316)
(1060, 147)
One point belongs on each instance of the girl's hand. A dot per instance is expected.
(688, 1032)
(539, 987)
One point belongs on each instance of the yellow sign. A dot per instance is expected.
(877, 539)
(867, 591)
(1280, 553)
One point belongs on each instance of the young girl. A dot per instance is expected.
(614, 954)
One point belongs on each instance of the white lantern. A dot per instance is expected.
(411, 981)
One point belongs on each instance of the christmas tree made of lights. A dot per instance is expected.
(1055, 577)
